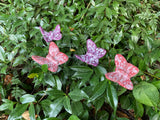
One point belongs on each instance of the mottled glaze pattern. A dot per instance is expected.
(123, 72)
(52, 35)
(93, 54)
(53, 59)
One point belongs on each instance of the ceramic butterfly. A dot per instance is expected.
(53, 59)
(52, 35)
(123, 72)
(93, 54)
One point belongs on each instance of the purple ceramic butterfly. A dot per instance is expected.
(93, 54)
(52, 35)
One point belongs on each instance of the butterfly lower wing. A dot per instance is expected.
(121, 78)
(56, 33)
(52, 65)
(89, 59)
(46, 35)
(131, 70)
(61, 58)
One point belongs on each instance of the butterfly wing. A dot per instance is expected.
(52, 64)
(56, 54)
(100, 52)
(89, 59)
(121, 78)
(61, 58)
(56, 33)
(131, 70)
(46, 35)
(53, 49)
(120, 62)
(91, 46)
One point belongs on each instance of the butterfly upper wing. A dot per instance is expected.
(100, 52)
(131, 70)
(91, 46)
(53, 49)
(120, 62)
(46, 35)
(61, 58)
(56, 35)
(52, 64)
(121, 78)
(56, 54)
(88, 58)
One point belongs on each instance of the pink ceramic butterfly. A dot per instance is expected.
(53, 59)
(52, 35)
(93, 54)
(123, 72)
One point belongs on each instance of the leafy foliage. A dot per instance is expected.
(77, 90)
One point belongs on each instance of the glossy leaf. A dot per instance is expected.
(78, 95)
(56, 107)
(67, 104)
(2, 54)
(32, 112)
(73, 117)
(112, 97)
(146, 93)
(27, 98)
(18, 111)
(98, 90)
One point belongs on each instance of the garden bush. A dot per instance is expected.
(77, 90)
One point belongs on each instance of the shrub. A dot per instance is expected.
(78, 90)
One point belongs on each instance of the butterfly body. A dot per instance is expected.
(53, 59)
(123, 72)
(93, 54)
(52, 35)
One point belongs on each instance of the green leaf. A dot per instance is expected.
(112, 97)
(49, 79)
(73, 117)
(52, 118)
(2, 54)
(103, 115)
(58, 82)
(67, 104)
(27, 98)
(92, 2)
(146, 93)
(32, 112)
(6, 105)
(99, 103)
(18, 111)
(56, 107)
(77, 108)
(108, 12)
(44, 68)
(55, 93)
(118, 37)
(81, 69)
(3, 69)
(156, 117)
(18, 60)
(98, 90)
(139, 109)
(101, 70)
(78, 95)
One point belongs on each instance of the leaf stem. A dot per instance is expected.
(151, 75)
(85, 12)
